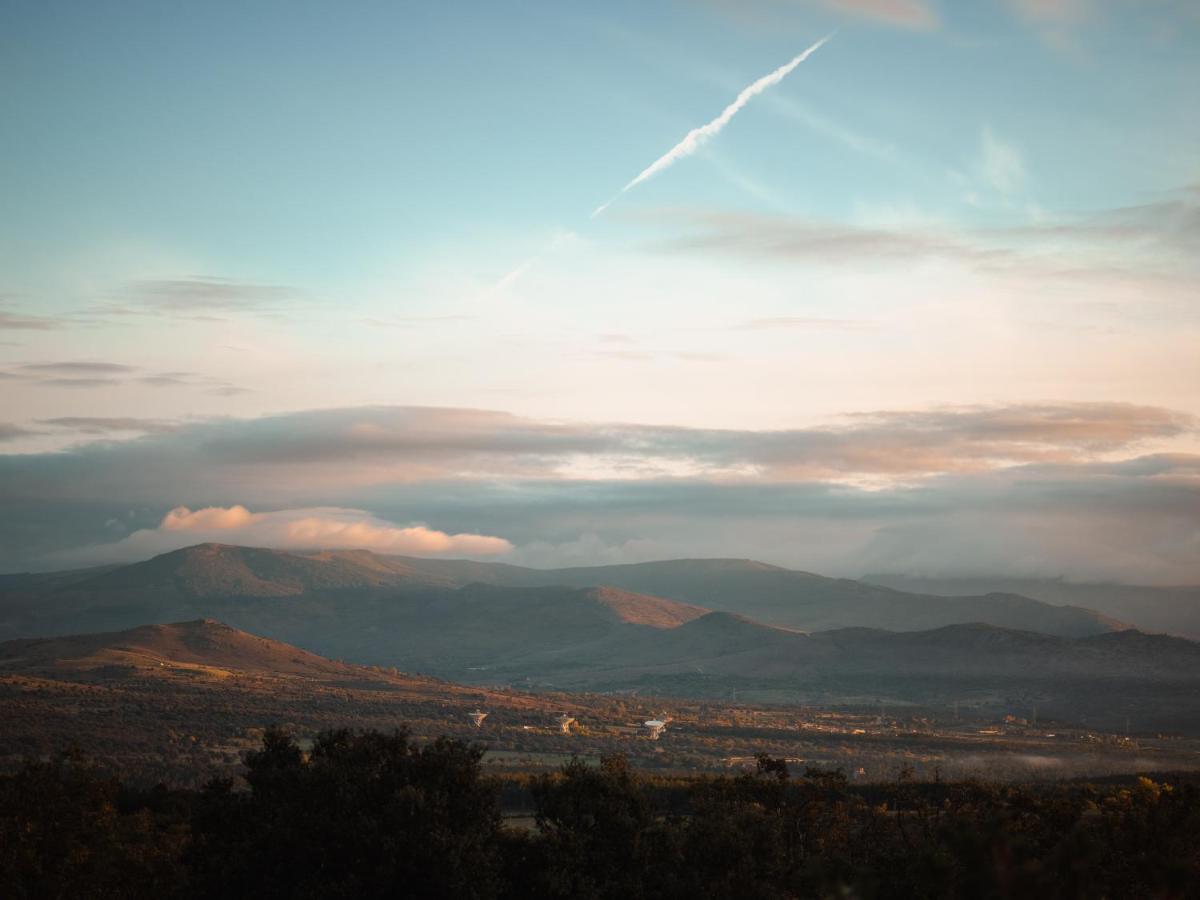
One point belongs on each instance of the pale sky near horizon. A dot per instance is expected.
(927, 304)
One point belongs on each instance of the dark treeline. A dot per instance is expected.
(375, 815)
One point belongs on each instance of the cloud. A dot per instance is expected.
(196, 298)
(1056, 22)
(1000, 163)
(587, 550)
(697, 137)
(780, 237)
(911, 14)
(1086, 490)
(1054, 12)
(904, 13)
(1153, 245)
(228, 390)
(84, 383)
(88, 374)
(77, 368)
(11, 432)
(210, 294)
(16, 322)
(411, 321)
(377, 445)
(1170, 224)
(317, 528)
(775, 322)
(107, 425)
(212, 518)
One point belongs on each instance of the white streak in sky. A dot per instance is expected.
(514, 275)
(693, 140)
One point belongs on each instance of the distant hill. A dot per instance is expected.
(982, 650)
(200, 644)
(725, 644)
(1150, 680)
(365, 606)
(793, 599)
(600, 640)
(194, 582)
(223, 570)
(1172, 610)
(183, 701)
(452, 632)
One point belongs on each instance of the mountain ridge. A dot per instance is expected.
(363, 594)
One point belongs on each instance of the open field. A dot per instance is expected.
(185, 725)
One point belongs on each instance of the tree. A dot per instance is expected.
(601, 836)
(364, 815)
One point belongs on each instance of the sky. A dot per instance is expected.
(442, 279)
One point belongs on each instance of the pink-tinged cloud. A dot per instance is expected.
(912, 14)
(1054, 12)
(904, 13)
(323, 531)
(313, 528)
(210, 518)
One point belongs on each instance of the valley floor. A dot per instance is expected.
(184, 726)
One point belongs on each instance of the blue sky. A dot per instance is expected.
(302, 143)
(237, 211)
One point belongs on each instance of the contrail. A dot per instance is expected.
(697, 136)
(512, 276)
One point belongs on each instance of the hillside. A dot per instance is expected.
(273, 591)
(475, 628)
(794, 599)
(207, 571)
(203, 644)
(729, 645)
(1173, 610)
(195, 582)
(568, 639)
(983, 651)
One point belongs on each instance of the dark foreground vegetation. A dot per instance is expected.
(374, 815)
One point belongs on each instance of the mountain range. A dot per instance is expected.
(1170, 609)
(1108, 680)
(268, 590)
(708, 628)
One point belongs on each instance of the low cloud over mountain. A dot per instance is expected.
(313, 528)
(1088, 490)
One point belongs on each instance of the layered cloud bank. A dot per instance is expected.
(1088, 491)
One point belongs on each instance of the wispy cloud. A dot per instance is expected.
(414, 321)
(195, 299)
(73, 368)
(1155, 245)
(11, 432)
(1054, 12)
(791, 237)
(908, 14)
(10, 321)
(904, 13)
(93, 374)
(806, 322)
(1000, 163)
(97, 425)
(81, 383)
(697, 137)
